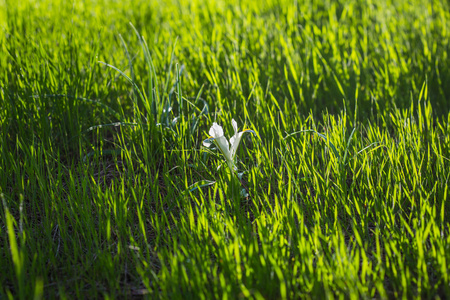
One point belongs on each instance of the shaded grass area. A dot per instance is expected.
(106, 189)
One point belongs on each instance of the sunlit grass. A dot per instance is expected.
(107, 190)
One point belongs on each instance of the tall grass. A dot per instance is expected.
(107, 191)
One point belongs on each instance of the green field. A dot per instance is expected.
(341, 191)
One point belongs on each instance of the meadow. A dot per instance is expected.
(108, 191)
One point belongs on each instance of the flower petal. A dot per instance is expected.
(216, 130)
(235, 140)
(235, 127)
(232, 140)
(208, 142)
(235, 136)
(223, 145)
(248, 130)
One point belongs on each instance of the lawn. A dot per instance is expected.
(115, 181)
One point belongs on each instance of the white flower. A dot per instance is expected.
(216, 135)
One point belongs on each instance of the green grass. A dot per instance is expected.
(107, 191)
